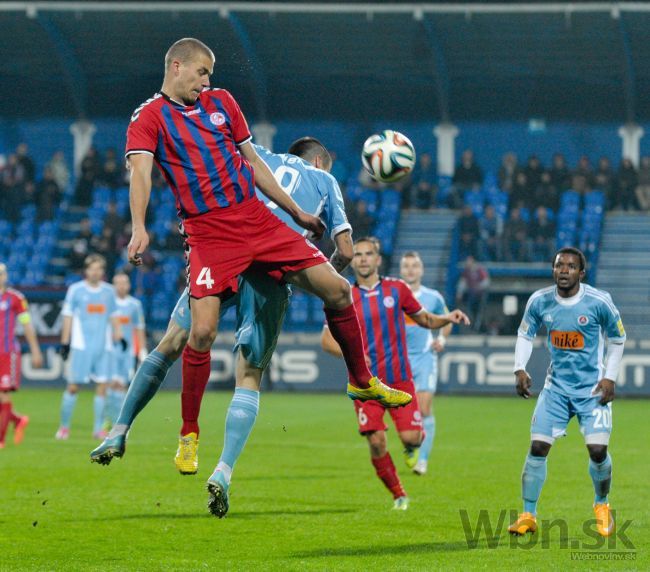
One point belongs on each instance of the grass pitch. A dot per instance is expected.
(304, 494)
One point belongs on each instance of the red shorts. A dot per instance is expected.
(9, 371)
(224, 243)
(370, 414)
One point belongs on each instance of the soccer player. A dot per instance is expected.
(423, 350)
(200, 140)
(381, 304)
(13, 309)
(585, 337)
(261, 305)
(131, 318)
(89, 311)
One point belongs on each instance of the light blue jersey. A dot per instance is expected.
(315, 191)
(423, 359)
(576, 332)
(131, 316)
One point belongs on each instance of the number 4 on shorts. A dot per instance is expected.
(204, 278)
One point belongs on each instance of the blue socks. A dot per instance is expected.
(144, 386)
(601, 476)
(429, 426)
(99, 402)
(532, 481)
(67, 407)
(114, 400)
(240, 419)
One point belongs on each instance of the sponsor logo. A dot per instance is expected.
(192, 112)
(524, 326)
(548, 318)
(217, 118)
(567, 340)
(583, 320)
(96, 308)
(619, 326)
(124, 320)
(389, 301)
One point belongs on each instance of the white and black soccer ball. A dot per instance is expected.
(388, 156)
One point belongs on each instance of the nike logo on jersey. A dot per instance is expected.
(567, 340)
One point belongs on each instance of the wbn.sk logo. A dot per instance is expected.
(549, 533)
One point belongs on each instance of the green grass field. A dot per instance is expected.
(304, 494)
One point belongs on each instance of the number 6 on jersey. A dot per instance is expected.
(204, 278)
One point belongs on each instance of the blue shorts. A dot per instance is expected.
(554, 410)
(424, 367)
(261, 306)
(87, 365)
(122, 365)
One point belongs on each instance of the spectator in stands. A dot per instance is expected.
(534, 171)
(472, 291)
(469, 232)
(491, 230)
(507, 172)
(547, 194)
(515, 237)
(90, 170)
(423, 182)
(542, 236)
(521, 196)
(104, 244)
(12, 187)
(60, 170)
(111, 173)
(468, 174)
(560, 174)
(604, 177)
(339, 171)
(113, 220)
(26, 162)
(585, 170)
(174, 241)
(643, 184)
(626, 182)
(81, 245)
(580, 184)
(360, 219)
(48, 195)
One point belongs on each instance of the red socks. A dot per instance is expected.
(387, 472)
(346, 330)
(6, 415)
(196, 371)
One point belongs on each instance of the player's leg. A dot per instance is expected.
(99, 407)
(323, 281)
(425, 379)
(408, 422)
(68, 403)
(78, 374)
(9, 383)
(5, 415)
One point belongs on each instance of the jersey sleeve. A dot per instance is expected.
(142, 133)
(111, 304)
(138, 317)
(611, 321)
(334, 208)
(438, 306)
(532, 319)
(409, 302)
(238, 123)
(70, 302)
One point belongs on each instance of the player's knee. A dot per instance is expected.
(340, 296)
(539, 448)
(597, 453)
(377, 443)
(202, 336)
(172, 346)
(72, 388)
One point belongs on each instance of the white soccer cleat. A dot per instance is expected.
(420, 468)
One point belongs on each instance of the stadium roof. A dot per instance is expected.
(348, 61)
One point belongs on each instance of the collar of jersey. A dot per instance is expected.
(573, 300)
(369, 288)
(93, 289)
(176, 103)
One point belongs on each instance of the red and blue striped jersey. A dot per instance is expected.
(381, 312)
(196, 148)
(12, 305)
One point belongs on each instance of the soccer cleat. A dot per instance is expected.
(379, 391)
(19, 430)
(187, 455)
(62, 434)
(411, 456)
(420, 467)
(100, 435)
(401, 503)
(526, 522)
(604, 519)
(2, 444)
(218, 491)
(109, 448)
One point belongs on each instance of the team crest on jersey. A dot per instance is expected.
(217, 118)
(583, 320)
(389, 301)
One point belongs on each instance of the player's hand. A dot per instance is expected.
(37, 360)
(457, 317)
(137, 245)
(523, 383)
(439, 344)
(64, 351)
(311, 223)
(606, 389)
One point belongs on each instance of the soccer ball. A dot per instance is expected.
(388, 156)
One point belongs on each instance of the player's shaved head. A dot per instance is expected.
(412, 254)
(308, 148)
(184, 51)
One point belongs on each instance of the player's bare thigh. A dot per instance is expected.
(411, 438)
(205, 319)
(377, 443)
(425, 401)
(173, 342)
(247, 376)
(325, 282)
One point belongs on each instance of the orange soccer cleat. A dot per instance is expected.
(604, 519)
(526, 522)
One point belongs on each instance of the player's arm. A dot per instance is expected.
(434, 321)
(523, 351)
(66, 330)
(116, 326)
(344, 251)
(140, 165)
(142, 344)
(329, 344)
(607, 385)
(32, 339)
(441, 341)
(265, 182)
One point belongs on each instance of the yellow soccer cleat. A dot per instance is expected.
(527, 522)
(379, 391)
(411, 457)
(604, 519)
(187, 456)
